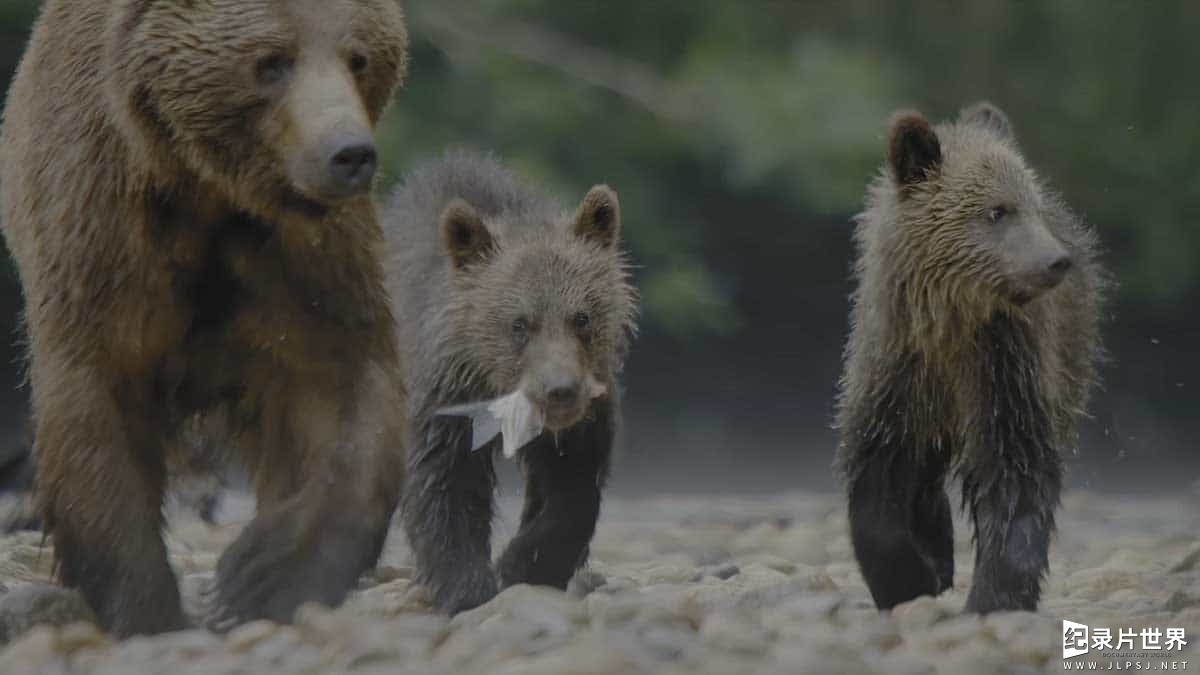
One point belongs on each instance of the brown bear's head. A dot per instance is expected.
(973, 217)
(271, 102)
(546, 307)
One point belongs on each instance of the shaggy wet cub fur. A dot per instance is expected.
(502, 291)
(973, 345)
(184, 188)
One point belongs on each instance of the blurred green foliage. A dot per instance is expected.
(790, 99)
(703, 107)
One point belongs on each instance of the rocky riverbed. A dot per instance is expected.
(686, 585)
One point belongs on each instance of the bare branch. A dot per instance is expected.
(449, 28)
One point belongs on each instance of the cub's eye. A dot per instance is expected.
(997, 213)
(272, 69)
(520, 328)
(358, 63)
(581, 321)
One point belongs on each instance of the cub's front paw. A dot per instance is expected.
(985, 599)
(461, 592)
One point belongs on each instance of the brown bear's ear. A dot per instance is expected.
(599, 216)
(913, 148)
(466, 238)
(987, 116)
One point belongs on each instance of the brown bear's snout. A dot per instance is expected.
(1058, 269)
(1051, 271)
(1037, 261)
(328, 144)
(339, 166)
(351, 167)
(564, 394)
(1062, 265)
(1041, 277)
(561, 399)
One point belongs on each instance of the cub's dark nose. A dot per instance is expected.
(1056, 269)
(1061, 266)
(352, 167)
(563, 395)
(564, 400)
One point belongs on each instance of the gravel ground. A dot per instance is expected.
(684, 585)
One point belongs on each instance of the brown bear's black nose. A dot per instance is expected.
(1056, 270)
(352, 167)
(1050, 272)
(563, 395)
(1061, 266)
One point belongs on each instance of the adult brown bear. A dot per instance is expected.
(185, 192)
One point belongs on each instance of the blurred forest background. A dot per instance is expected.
(741, 135)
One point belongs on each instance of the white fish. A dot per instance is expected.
(514, 417)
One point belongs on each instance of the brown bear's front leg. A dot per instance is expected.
(933, 525)
(900, 526)
(448, 514)
(100, 483)
(1013, 489)
(1014, 518)
(346, 465)
(1012, 477)
(564, 478)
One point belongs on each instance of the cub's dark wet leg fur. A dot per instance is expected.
(448, 514)
(933, 526)
(1012, 483)
(900, 528)
(563, 484)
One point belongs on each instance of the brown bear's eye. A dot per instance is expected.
(520, 329)
(272, 69)
(581, 321)
(358, 63)
(997, 213)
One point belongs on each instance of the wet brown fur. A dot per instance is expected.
(170, 265)
(950, 367)
(490, 274)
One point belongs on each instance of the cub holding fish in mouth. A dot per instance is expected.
(517, 316)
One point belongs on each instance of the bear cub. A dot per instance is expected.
(504, 292)
(973, 345)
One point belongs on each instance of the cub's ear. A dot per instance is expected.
(913, 148)
(987, 116)
(599, 216)
(466, 238)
